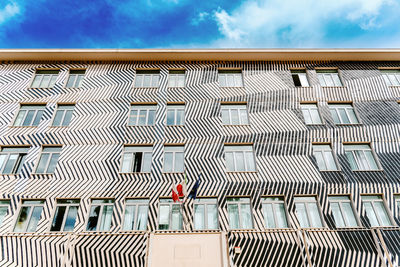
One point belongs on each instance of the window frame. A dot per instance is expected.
(234, 157)
(335, 160)
(100, 214)
(49, 159)
(176, 75)
(238, 106)
(142, 72)
(307, 211)
(143, 203)
(30, 86)
(374, 155)
(324, 71)
(64, 113)
(351, 104)
(205, 214)
(67, 205)
(20, 158)
(274, 202)
(353, 209)
(21, 105)
(226, 71)
(33, 205)
(240, 213)
(174, 157)
(77, 74)
(7, 206)
(385, 205)
(294, 71)
(175, 107)
(302, 106)
(131, 152)
(397, 203)
(170, 204)
(386, 71)
(143, 106)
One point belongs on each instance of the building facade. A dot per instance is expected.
(296, 154)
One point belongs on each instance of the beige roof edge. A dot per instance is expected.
(200, 54)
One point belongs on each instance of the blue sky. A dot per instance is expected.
(199, 24)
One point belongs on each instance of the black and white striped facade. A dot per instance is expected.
(92, 147)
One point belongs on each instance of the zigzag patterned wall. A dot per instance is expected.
(92, 146)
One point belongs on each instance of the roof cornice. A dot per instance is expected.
(200, 54)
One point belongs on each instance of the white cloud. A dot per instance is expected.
(295, 23)
(202, 16)
(9, 11)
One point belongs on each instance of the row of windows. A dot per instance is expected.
(238, 158)
(205, 215)
(342, 113)
(227, 78)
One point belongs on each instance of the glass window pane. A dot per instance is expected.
(176, 218)
(33, 222)
(58, 117)
(168, 161)
(155, 80)
(307, 116)
(229, 162)
(150, 120)
(335, 116)
(337, 215)
(147, 162)
(126, 162)
(371, 160)
(247, 222)
(336, 79)
(20, 117)
(106, 217)
(330, 161)
(302, 215)
(371, 214)
(328, 80)
(352, 116)
(38, 116)
(314, 215)
(139, 80)
(22, 219)
(179, 162)
(142, 117)
(36, 81)
(79, 80)
(281, 216)
(222, 80)
(3, 213)
(303, 79)
(243, 117)
(10, 164)
(361, 160)
(58, 218)
(349, 214)
(28, 118)
(250, 161)
(71, 217)
(382, 213)
(67, 118)
(235, 116)
(268, 215)
(321, 79)
(239, 161)
(225, 116)
(351, 159)
(238, 80)
(343, 116)
(129, 219)
(142, 218)
(316, 119)
(71, 80)
(230, 80)
(45, 81)
(44, 158)
(93, 218)
(233, 213)
(147, 81)
(53, 163)
(133, 117)
(199, 217)
(212, 217)
(320, 160)
(163, 223)
(53, 80)
(180, 117)
(170, 117)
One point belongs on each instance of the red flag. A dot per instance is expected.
(175, 193)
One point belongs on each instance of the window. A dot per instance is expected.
(45, 78)
(29, 115)
(29, 216)
(300, 78)
(175, 115)
(173, 158)
(360, 157)
(63, 115)
(100, 215)
(3, 209)
(170, 217)
(392, 77)
(75, 78)
(205, 214)
(239, 213)
(308, 212)
(48, 159)
(136, 159)
(324, 157)
(65, 215)
(142, 115)
(136, 214)
(376, 211)
(343, 114)
(343, 211)
(147, 78)
(234, 114)
(176, 78)
(396, 198)
(230, 78)
(239, 158)
(311, 113)
(329, 78)
(274, 212)
(12, 159)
